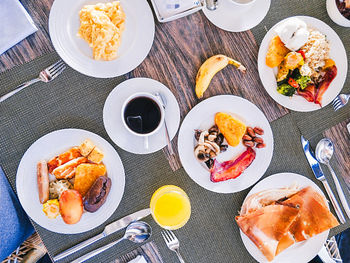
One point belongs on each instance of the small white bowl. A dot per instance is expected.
(335, 14)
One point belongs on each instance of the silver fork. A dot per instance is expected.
(46, 75)
(340, 101)
(173, 243)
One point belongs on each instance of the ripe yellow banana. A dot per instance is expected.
(209, 68)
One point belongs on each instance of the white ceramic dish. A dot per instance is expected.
(202, 117)
(298, 103)
(301, 252)
(136, 43)
(114, 125)
(47, 147)
(335, 15)
(237, 17)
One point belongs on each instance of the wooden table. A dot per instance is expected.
(179, 48)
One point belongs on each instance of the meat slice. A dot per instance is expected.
(63, 158)
(67, 170)
(233, 168)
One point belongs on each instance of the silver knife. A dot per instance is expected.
(109, 229)
(317, 170)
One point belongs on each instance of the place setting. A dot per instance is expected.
(91, 168)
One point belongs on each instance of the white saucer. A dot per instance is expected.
(114, 125)
(237, 18)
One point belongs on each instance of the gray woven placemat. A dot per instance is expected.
(74, 100)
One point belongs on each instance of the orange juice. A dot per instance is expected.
(170, 207)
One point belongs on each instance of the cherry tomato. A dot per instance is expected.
(293, 83)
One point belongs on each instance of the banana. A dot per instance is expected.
(209, 68)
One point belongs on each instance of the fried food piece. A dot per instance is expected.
(86, 147)
(276, 52)
(51, 208)
(96, 155)
(283, 72)
(63, 158)
(85, 176)
(293, 60)
(67, 170)
(232, 129)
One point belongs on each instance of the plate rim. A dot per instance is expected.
(71, 230)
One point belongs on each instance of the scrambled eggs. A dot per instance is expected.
(102, 25)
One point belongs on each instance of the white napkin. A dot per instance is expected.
(15, 24)
(138, 259)
(167, 8)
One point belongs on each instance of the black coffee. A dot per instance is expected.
(142, 115)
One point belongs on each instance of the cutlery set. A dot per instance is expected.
(136, 232)
(324, 152)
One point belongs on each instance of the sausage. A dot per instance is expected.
(43, 181)
(97, 194)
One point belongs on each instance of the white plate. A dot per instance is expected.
(202, 117)
(302, 251)
(298, 103)
(53, 144)
(114, 125)
(237, 18)
(137, 37)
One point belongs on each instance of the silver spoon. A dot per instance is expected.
(168, 140)
(324, 153)
(136, 232)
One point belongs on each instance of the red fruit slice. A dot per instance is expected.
(233, 168)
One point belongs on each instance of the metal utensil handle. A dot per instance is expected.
(340, 191)
(168, 141)
(179, 256)
(96, 251)
(78, 247)
(334, 201)
(18, 89)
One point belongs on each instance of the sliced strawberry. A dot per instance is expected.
(331, 73)
(233, 168)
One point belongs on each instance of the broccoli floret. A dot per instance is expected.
(286, 89)
(303, 81)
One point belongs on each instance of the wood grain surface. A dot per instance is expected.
(341, 138)
(179, 49)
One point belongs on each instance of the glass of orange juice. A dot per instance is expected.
(170, 207)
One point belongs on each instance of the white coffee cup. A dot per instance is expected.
(162, 115)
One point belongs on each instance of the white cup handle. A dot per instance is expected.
(145, 142)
